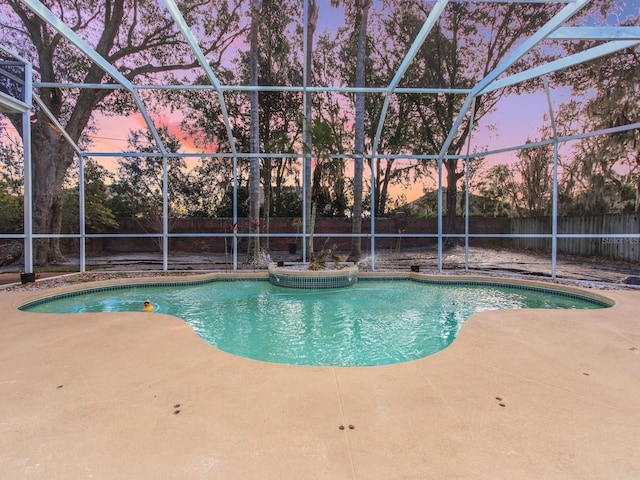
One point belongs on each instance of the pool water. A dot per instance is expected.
(370, 323)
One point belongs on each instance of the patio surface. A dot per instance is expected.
(140, 396)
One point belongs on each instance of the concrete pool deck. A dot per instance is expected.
(525, 394)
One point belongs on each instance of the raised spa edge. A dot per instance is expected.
(299, 276)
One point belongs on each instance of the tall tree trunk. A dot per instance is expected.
(451, 200)
(312, 21)
(315, 195)
(51, 157)
(253, 252)
(383, 191)
(268, 195)
(356, 227)
(49, 165)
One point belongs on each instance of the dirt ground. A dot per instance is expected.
(480, 260)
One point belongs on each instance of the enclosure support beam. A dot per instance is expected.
(28, 179)
(566, 138)
(467, 190)
(195, 48)
(547, 29)
(165, 214)
(57, 124)
(81, 213)
(45, 14)
(431, 20)
(554, 195)
(596, 33)
(440, 215)
(260, 88)
(566, 13)
(306, 156)
(372, 227)
(566, 62)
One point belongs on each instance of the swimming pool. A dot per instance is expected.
(374, 322)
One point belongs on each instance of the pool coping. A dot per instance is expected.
(44, 295)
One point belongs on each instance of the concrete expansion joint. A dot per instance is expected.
(343, 422)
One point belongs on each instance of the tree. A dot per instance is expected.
(11, 163)
(328, 186)
(610, 98)
(10, 210)
(332, 125)
(98, 215)
(279, 112)
(11, 184)
(261, 121)
(469, 42)
(136, 37)
(330, 135)
(208, 190)
(535, 167)
(358, 12)
(307, 145)
(404, 130)
(254, 140)
(332, 201)
(137, 191)
(500, 190)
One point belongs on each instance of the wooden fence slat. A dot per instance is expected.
(627, 249)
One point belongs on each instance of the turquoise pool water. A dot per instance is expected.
(370, 323)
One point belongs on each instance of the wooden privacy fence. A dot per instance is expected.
(627, 249)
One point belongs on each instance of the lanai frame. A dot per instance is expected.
(614, 39)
